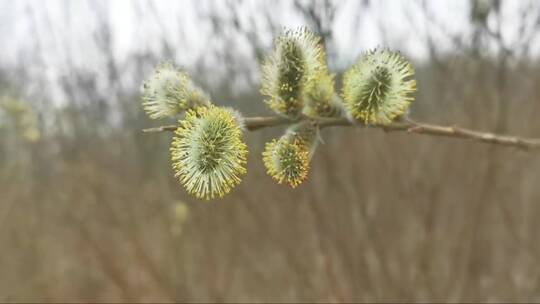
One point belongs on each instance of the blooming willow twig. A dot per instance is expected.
(208, 152)
(409, 126)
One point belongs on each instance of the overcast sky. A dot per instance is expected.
(54, 35)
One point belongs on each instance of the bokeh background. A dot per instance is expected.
(90, 211)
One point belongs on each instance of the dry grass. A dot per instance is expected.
(383, 217)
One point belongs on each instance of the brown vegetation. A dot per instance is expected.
(87, 212)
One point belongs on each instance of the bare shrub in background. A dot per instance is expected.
(92, 212)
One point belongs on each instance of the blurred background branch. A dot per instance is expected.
(86, 208)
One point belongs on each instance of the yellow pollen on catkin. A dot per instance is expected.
(208, 153)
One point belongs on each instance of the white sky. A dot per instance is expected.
(51, 36)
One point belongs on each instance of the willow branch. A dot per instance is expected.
(409, 126)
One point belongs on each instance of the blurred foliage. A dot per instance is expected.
(19, 117)
(90, 212)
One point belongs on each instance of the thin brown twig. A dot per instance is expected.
(409, 126)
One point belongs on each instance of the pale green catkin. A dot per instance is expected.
(378, 88)
(295, 62)
(208, 153)
(169, 92)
